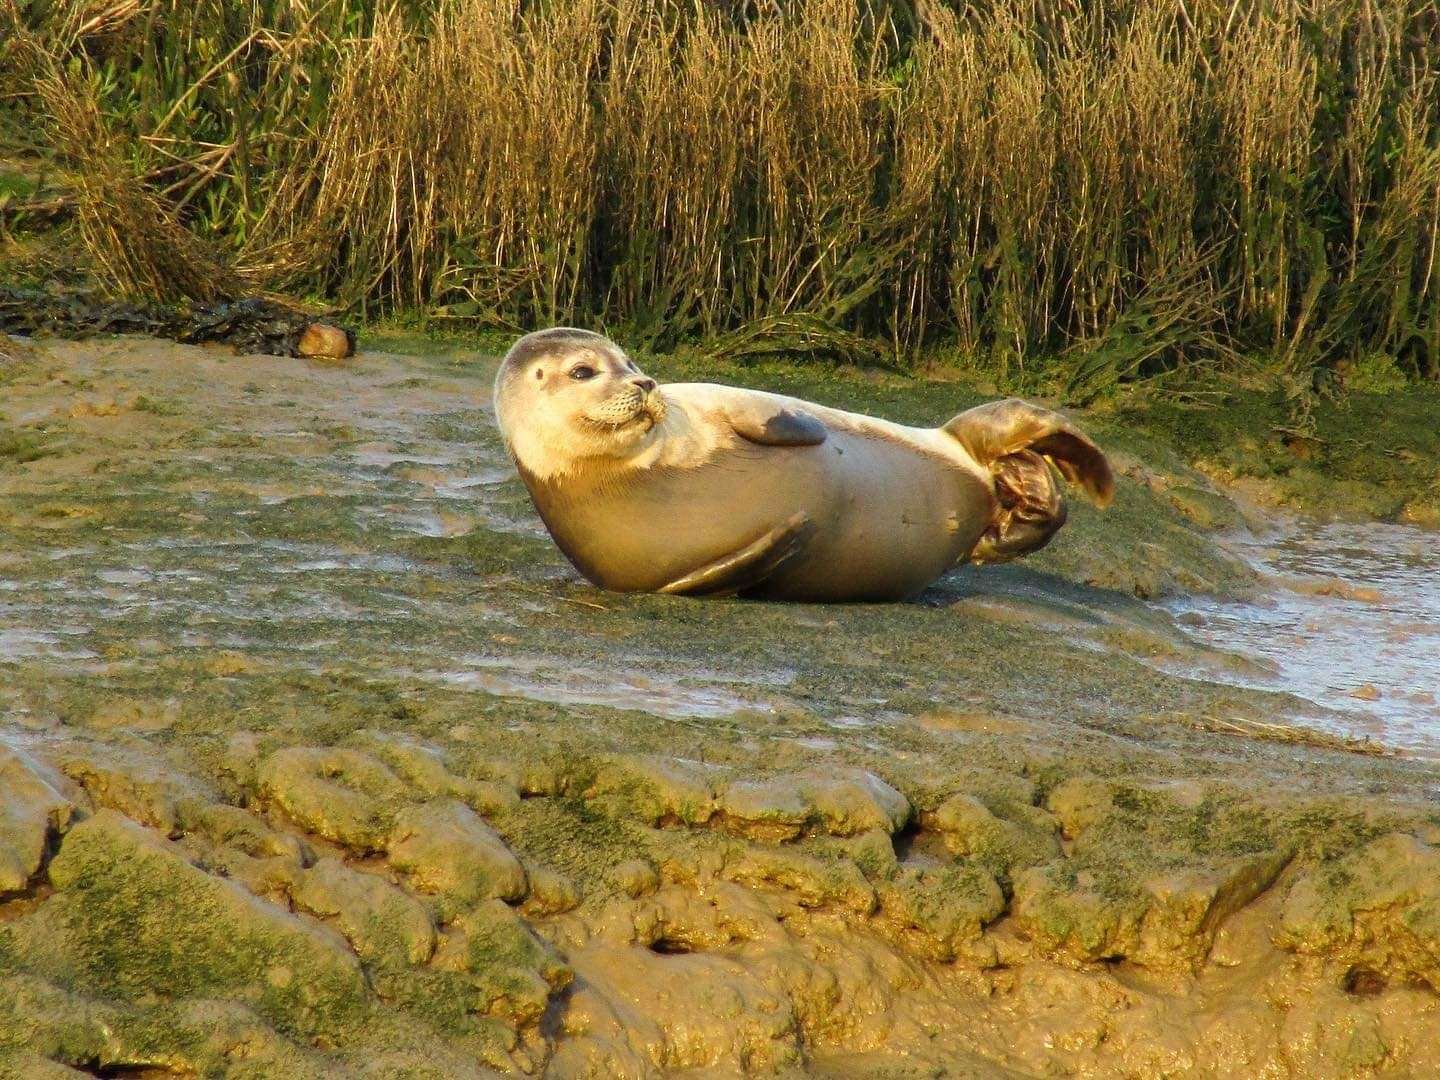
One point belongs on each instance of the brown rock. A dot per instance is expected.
(853, 801)
(773, 810)
(971, 829)
(1168, 921)
(1079, 803)
(333, 792)
(636, 877)
(424, 767)
(327, 341)
(511, 973)
(379, 920)
(551, 892)
(658, 790)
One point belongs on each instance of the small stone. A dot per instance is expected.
(1366, 692)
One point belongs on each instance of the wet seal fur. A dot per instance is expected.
(708, 490)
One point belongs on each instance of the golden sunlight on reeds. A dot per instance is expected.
(1065, 191)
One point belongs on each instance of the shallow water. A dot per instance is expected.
(1350, 622)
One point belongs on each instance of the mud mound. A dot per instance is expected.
(330, 904)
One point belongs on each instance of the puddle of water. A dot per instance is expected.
(25, 644)
(1351, 623)
(383, 458)
(463, 487)
(659, 695)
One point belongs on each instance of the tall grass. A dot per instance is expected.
(1066, 192)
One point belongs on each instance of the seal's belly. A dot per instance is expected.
(902, 518)
(888, 519)
(655, 527)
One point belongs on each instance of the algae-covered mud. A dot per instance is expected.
(317, 759)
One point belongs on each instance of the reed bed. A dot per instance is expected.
(1067, 193)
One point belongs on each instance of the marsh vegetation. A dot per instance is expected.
(1061, 196)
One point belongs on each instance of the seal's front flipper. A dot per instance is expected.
(1014, 441)
(748, 567)
(759, 420)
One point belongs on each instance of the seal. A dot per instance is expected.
(708, 490)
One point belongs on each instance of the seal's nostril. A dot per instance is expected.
(645, 384)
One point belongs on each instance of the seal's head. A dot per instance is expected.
(566, 396)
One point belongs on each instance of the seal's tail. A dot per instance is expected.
(1018, 443)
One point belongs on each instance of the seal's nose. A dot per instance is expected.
(644, 382)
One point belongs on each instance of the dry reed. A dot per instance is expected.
(134, 240)
(1065, 194)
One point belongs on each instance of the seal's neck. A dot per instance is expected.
(578, 453)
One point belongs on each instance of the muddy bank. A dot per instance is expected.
(317, 758)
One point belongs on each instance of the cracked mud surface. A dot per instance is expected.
(316, 759)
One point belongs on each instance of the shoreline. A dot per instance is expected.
(257, 822)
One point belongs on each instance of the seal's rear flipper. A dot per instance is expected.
(749, 566)
(1014, 440)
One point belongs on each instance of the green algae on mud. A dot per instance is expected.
(1367, 455)
(276, 637)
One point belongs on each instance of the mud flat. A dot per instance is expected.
(316, 759)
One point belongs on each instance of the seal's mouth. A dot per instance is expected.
(629, 406)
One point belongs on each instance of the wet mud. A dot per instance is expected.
(317, 759)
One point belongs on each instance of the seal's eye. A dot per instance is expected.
(582, 372)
